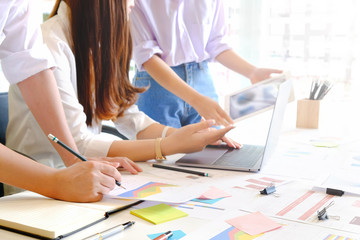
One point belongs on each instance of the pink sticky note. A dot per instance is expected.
(214, 193)
(356, 203)
(254, 223)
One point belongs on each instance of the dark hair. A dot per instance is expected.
(102, 47)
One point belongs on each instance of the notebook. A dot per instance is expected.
(250, 157)
(34, 215)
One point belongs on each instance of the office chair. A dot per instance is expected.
(4, 115)
(4, 118)
(113, 131)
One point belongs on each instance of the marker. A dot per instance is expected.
(53, 138)
(164, 236)
(111, 231)
(180, 170)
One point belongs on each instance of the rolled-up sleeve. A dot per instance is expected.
(98, 145)
(145, 44)
(133, 122)
(22, 51)
(217, 40)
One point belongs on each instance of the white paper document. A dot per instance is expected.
(144, 188)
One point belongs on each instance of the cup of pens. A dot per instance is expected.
(308, 110)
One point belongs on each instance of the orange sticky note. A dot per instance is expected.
(214, 193)
(254, 223)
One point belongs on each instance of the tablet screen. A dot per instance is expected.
(254, 99)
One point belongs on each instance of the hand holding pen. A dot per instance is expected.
(53, 138)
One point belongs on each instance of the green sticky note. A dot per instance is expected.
(159, 213)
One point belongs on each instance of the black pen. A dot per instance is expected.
(164, 236)
(311, 89)
(180, 169)
(110, 231)
(53, 138)
(321, 91)
(327, 86)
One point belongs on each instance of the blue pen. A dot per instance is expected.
(53, 138)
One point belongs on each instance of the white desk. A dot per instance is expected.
(291, 137)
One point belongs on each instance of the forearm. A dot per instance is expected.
(139, 150)
(81, 182)
(191, 138)
(168, 79)
(22, 172)
(154, 131)
(233, 61)
(42, 97)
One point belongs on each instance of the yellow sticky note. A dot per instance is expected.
(159, 213)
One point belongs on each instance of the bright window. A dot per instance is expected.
(310, 39)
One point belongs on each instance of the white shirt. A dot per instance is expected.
(22, 51)
(179, 31)
(24, 134)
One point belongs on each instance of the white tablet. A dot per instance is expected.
(254, 99)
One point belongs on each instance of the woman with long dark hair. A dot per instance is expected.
(27, 64)
(91, 44)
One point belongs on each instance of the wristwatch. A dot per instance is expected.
(158, 153)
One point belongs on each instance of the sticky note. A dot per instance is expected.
(208, 201)
(254, 223)
(214, 193)
(233, 233)
(177, 234)
(325, 142)
(159, 213)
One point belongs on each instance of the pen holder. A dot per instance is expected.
(308, 113)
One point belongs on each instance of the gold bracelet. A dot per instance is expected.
(158, 153)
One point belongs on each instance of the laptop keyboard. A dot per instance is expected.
(246, 157)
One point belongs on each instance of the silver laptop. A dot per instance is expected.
(250, 157)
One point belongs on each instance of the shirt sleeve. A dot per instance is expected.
(132, 122)
(22, 51)
(217, 40)
(145, 44)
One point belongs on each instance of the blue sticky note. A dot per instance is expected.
(177, 234)
(208, 201)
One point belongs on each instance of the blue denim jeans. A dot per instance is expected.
(168, 109)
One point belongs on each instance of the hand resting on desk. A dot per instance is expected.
(124, 163)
